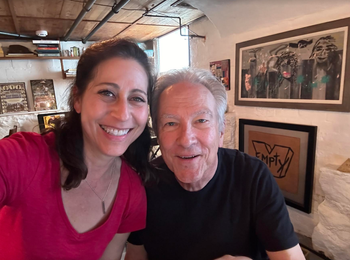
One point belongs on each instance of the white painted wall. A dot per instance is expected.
(333, 137)
(26, 70)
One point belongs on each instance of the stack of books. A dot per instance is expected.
(47, 48)
(71, 73)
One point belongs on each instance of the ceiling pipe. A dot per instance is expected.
(87, 7)
(115, 9)
(18, 35)
(180, 25)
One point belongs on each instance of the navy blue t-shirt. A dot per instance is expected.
(241, 211)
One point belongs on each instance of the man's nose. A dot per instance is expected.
(186, 136)
(120, 110)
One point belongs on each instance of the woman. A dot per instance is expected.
(73, 193)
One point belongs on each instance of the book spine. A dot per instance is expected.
(47, 48)
(49, 55)
(46, 42)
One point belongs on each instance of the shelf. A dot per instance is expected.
(39, 58)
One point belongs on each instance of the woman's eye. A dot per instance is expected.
(138, 99)
(106, 93)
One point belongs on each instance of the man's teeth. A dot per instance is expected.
(187, 157)
(113, 131)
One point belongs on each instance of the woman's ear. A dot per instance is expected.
(77, 100)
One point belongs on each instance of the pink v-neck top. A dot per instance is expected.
(33, 222)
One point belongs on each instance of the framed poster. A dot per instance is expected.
(307, 68)
(289, 152)
(43, 94)
(221, 70)
(13, 97)
(48, 120)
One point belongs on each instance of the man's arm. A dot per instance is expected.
(135, 252)
(293, 253)
(115, 248)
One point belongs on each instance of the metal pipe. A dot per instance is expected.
(80, 17)
(180, 25)
(18, 35)
(115, 9)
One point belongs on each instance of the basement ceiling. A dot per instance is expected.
(136, 19)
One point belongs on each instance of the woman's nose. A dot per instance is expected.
(120, 110)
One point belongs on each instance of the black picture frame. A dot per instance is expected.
(43, 119)
(306, 68)
(294, 145)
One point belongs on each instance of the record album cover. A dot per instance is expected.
(13, 97)
(44, 97)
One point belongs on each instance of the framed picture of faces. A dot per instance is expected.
(307, 68)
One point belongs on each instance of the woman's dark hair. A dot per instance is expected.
(69, 135)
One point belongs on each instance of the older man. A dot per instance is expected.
(210, 203)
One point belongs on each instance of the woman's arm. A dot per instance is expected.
(115, 248)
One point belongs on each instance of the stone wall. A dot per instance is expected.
(332, 233)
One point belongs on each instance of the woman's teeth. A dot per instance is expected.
(115, 132)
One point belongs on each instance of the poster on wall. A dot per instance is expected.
(289, 152)
(43, 94)
(13, 97)
(304, 69)
(221, 70)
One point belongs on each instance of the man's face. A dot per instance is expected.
(188, 133)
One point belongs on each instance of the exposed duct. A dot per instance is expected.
(80, 17)
(115, 9)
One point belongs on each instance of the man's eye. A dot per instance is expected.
(170, 124)
(106, 93)
(202, 120)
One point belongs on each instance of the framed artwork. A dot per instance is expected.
(43, 94)
(289, 152)
(48, 120)
(307, 68)
(13, 97)
(221, 70)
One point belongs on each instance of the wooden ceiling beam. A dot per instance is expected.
(13, 14)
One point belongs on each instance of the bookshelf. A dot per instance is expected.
(61, 58)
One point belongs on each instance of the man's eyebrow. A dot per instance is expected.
(198, 113)
(115, 85)
(202, 112)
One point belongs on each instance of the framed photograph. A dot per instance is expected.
(307, 68)
(221, 70)
(48, 120)
(289, 152)
(13, 97)
(43, 94)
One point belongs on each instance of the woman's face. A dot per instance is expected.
(113, 108)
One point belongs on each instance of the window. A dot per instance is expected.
(174, 51)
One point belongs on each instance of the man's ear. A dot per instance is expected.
(222, 132)
(77, 100)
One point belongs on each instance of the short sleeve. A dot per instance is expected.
(18, 164)
(135, 238)
(135, 215)
(273, 225)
